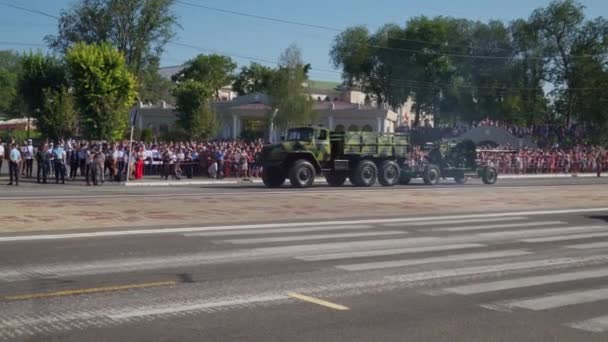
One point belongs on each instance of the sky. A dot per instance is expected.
(245, 38)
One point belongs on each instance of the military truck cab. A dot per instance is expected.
(305, 152)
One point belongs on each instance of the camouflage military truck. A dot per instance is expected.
(362, 157)
(447, 160)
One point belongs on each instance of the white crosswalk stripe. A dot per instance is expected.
(597, 324)
(592, 245)
(565, 237)
(500, 226)
(314, 237)
(527, 282)
(447, 258)
(277, 231)
(558, 300)
(384, 252)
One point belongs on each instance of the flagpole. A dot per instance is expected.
(132, 121)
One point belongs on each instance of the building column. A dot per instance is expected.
(235, 126)
(379, 124)
(330, 123)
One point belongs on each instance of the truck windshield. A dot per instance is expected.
(300, 134)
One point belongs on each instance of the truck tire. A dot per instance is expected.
(389, 173)
(302, 174)
(431, 175)
(273, 177)
(365, 174)
(490, 175)
(335, 178)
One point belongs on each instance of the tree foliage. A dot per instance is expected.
(10, 65)
(194, 112)
(289, 99)
(215, 71)
(58, 118)
(464, 70)
(255, 78)
(104, 89)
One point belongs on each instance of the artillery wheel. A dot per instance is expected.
(490, 175)
(389, 173)
(273, 177)
(431, 175)
(302, 174)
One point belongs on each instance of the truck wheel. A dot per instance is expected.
(302, 174)
(389, 173)
(335, 178)
(365, 174)
(431, 175)
(490, 175)
(273, 177)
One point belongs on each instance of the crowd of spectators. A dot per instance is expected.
(98, 162)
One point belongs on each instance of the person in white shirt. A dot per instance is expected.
(29, 158)
(2, 152)
(14, 162)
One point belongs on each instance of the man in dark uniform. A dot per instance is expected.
(42, 163)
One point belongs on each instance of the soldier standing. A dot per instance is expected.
(599, 162)
(59, 154)
(42, 163)
(100, 160)
(89, 154)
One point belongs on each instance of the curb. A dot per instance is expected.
(323, 181)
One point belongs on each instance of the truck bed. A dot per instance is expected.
(369, 144)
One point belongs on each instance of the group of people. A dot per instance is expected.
(98, 162)
(578, 159)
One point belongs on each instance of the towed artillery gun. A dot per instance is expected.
(362, 157)
(447, 160)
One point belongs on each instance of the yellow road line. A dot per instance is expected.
(88, 291)
(318, 301)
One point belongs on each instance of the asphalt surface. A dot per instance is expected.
(78, 190)
(501, 276)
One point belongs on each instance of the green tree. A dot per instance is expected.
(58, 117)
(193, 105)
(140, 29)
(559, 25)
(40, 73)
(216, 71)
(10, 65)
(253, 79)
(104, 89)
(289, 99)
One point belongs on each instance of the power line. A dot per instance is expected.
(328, 28)
(35, 11)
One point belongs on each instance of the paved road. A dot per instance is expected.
(28, 189)
(537, 275)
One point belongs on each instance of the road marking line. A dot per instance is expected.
(88, 290)
(509, 284)
(278, 230)
(592, 245)
(179, 308)
(565, 237)
(449, 222)
(313, 237)
(447, 258)
(495, 268)
(542, 232)
(498, 226)
(295, 224)
(598, 324)
(559, 300)
(318, 301)
(381, 252)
